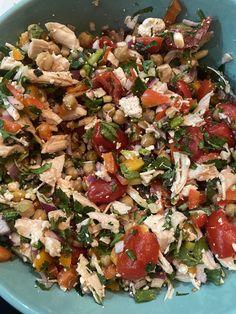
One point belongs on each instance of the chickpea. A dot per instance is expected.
(119, 117)
(77, 185)
(231, 210)
(91, 155)
(69, 102)
(109, 109)
(148, 140)
(148, 115)
(88, 167)
(107, 98)
(65, 51)
(71, 171)
(82, 148)
(44, 61)
(157, 59)
(68, 163)
(25, 208)
(86, 40)
(40, 214)
(18, 195)
(127, 200)
(122, 53)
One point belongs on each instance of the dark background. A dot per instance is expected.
(5, 308)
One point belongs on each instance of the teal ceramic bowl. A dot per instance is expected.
(17, 279)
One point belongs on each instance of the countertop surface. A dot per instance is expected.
(5, 308)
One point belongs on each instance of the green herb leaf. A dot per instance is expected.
(142, 11)
(150, 267)
(35, 31)
(109, 130)
(160, 163)
(93, 105)
(145, 295)
(131, 255)
(147, 65)
(77, 59)
(116, 239)
(64, 200)
(201, 14)
(168, 177)
(5, 50)
(42, 169)
(84, 236)
(10, 215)
(42, 286)
(35, 110)
(127, 66)
(219, 163)
(180, 294)
(139, 87)
(211, 188)
(4, 133)
(215, 142)
(214, 275)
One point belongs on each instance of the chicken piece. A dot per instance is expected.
(23, 121)
(227, 179)
(51, 62)
(39, 45)
(203, 173)
(55, 78)
(8, 63)
(107, 221)
(84, 201)
(182, 163)
(52, 175)
(6, 151)
(77, 113)
(62, 35)
(55, 144)
(51, 117)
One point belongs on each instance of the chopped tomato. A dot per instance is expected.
(199, 219)
(206, 87)
(207, 157)
(193, 140)
(110, 271)
(183, 89)
(103, 192)
(141, 248)
(161, 114)
(67, 278)
(147, 40)
(106, 41)
(76, 252)
(104, 59)
(172, 12)
(221, 234)
(103, 145)
(150, 98)
(110, 83)
(229, 109)
(193, 199)
(11, 126)
(231, 195)
(221, 130)
(110, 163)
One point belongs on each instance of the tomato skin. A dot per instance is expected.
(145, 247)
(106, 41)
(199, 220)
(195, 137)
(206, 87)
(110, 83)
(229, 109)
(221, 234)
(221, 130)
(103, 192)
(102, 145)
(146, 40)
(183, 89)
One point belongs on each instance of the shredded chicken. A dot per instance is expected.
(25, 121)
(8, 63)
(62, 35)
(6, 151)
(74, 114)
(39, 45)
(52, 175)
(85, 201)
(227, 179)
(108, 222)
(51, 117)
(203, 173)
(56, 78)
(182, 163)
(55, 144)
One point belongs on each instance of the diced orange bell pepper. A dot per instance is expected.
(231, 195)
(65, 260)
(17, 55)
(110, 163)
(150, 98)
(193, 199)
(40, 260)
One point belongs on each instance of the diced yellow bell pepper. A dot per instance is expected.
(133, 164)
(114, 286)
(135, 181)
(192, 270)
(113, 257)
(42, 258)
(24, 39)
(17, 55)
(65, 260)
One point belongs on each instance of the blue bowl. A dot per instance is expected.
(17, 279)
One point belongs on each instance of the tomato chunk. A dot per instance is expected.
(221, 234)
(206, 87)
(150, 98)
(106, 41)
(193, 199)
(110, 83)
(103, 145)
(183, 89)
(229, 109)
(141, 247)
(199, 220)
(193, 140)
(103, 192)
(146, 40)
(172, 12)
(221, 130)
